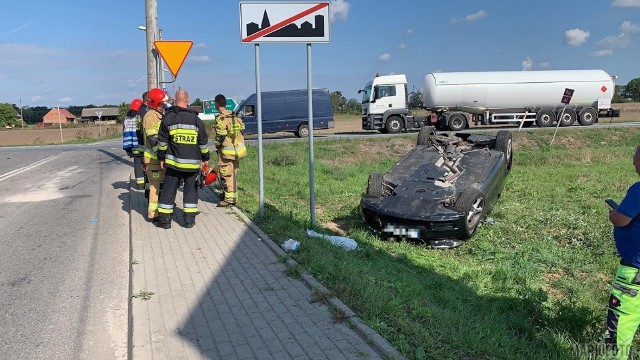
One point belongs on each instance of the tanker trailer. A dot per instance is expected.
(516, 96)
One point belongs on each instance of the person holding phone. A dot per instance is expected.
(623, 316)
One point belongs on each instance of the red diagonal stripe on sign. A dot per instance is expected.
(284, 23)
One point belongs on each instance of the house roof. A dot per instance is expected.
(91, 112)
(54, 117)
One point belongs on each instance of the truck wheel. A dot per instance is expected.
(588, 116)
(471, 204)
(394, 125)
(504, 143)
(374, 186)
(545, 118)
(457, 122)
(303, 131)
(425, 133)
(568, 118)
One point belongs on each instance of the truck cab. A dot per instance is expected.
(384, 104)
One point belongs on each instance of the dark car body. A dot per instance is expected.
(441, 189)
(287, 111)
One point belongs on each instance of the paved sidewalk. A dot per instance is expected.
(219, 292)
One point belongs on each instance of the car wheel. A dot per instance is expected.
(504, 143)
(394, 125)
(457, 122)
(471, 203)
(568, 118)
(303, 131)
(425, 133)
(374, 186)
(545, 118)
(588, 116)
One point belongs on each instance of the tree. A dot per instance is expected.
(414, 100)
(338, 101)
(197, 102)
(123, 109)
(8, 115)
(633, 89)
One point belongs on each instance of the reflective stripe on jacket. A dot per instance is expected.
(182, 140)
(229, 138)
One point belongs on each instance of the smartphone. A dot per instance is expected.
(612, 204)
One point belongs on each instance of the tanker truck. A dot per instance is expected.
(522, 97)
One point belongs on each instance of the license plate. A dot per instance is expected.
(403, 231)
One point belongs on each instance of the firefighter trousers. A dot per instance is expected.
(156, 177)
(623, 316)
(138, 171)
(168, 195)
(228, 170)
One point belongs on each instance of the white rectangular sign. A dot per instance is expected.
(604, 103)
(284, 22)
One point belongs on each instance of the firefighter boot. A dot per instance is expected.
(163, 221)
(226, 202)
(189, 221)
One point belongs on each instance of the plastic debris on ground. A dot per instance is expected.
(490, 221)
(344, 242)
(290, 245)
(94, 220)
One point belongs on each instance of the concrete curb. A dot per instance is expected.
(370, 336)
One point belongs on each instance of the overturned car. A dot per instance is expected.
(440, 190)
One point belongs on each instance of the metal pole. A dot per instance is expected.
(160, 62)
(21, 117)
(259, 121)
(151, 10)
(526, 113)
(557, 126)
(312, 175)
(60, 125)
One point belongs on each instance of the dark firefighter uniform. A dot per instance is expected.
(231, 148)
(183, 148)
(155, 174)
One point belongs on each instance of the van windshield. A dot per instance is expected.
(366, 94)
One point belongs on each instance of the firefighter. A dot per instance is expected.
(132, 140)
(230, 146)
(157, 100)
(182, 150)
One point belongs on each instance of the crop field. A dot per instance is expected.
(51, 134)
(532, 284)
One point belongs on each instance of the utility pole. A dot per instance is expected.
(21, 117)
(160, 63)
(151, 10)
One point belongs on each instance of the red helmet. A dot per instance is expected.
(135, 104)
(209, 174)
(156, 97)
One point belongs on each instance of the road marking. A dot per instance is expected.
(29, 167)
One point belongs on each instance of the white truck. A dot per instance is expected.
(521, 97)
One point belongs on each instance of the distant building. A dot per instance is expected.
(108, 114)
(54, 117)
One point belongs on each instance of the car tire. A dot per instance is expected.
(303, 130)
(471, 203)
(545, 117)
(568, 118)
(457, 122)
(588, 116)
(394, 125)
(425, 134)
(504, 143)
(374, 186)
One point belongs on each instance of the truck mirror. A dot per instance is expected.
(359, 91)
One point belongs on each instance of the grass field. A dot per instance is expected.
(533, 285)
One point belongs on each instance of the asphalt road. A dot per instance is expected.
(64, 252)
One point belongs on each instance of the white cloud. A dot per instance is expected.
(339, 10)
(544, 64)
(629, 27)
(615, 41)
(605, 52)
(19, 28)
(527, 64)
(200, 46)
(133, 83)
(410, 31)
(576, 37)
(35, 98)
(65, 99)
(402, 46)
(385, 57)
(470, 18)
(199, 58)
(626, 3)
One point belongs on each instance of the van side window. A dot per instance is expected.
(386, 90)
(248, 110)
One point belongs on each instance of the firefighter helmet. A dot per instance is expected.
(135, 104)
(156, 97)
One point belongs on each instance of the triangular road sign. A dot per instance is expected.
(173, 52)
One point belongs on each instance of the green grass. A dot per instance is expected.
(534, 285)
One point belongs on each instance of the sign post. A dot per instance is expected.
(99, 115)
(566, 99)
(285, 22)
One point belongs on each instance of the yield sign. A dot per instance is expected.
(173, 52)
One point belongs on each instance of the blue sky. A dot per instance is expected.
(73, 52)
